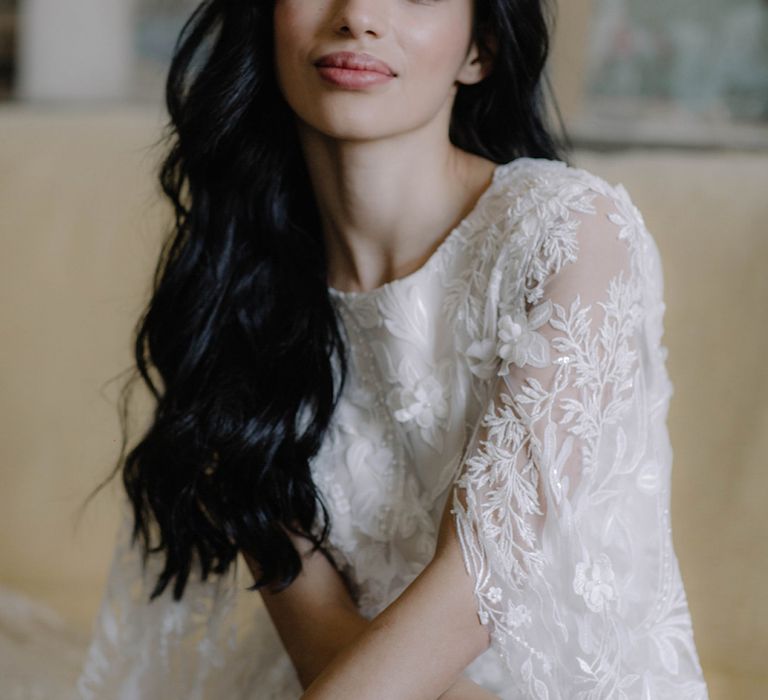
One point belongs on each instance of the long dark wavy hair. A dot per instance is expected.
(240, 334)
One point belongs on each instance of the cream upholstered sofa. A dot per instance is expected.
(81, 223)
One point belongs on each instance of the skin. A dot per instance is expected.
(389, 187)
(316, 617)
(388, 182)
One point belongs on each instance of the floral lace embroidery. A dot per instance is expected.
(547, 499)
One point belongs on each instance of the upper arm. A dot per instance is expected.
(314, 615)
(566, 349)
(316, 588)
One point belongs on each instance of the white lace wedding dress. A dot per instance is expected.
(520, 373)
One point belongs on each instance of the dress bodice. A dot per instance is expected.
(411, 399)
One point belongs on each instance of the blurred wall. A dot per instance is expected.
(569, 54)
(80, 230)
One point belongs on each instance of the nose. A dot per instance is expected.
(358, 17)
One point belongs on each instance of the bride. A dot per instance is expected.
(409, 433)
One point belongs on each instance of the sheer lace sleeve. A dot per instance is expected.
(561, 500)
(217, 642)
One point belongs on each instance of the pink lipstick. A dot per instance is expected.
(353, 70)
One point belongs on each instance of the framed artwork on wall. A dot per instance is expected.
(676, 72)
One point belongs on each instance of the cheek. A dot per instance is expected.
(292, 27)
(437, 51)
(285, 23)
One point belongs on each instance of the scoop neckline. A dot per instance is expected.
(441, 249)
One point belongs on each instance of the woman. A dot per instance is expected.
(388, 298)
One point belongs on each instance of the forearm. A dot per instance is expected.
(316, 619)
(317, 648)
(417, 647)
(348, 625)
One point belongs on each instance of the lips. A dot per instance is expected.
(354, 61)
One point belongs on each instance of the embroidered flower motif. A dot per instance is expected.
(494, 594)
(482, 357)
(517, 615)
(595, 583)
(518, 340)
(423, 401)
